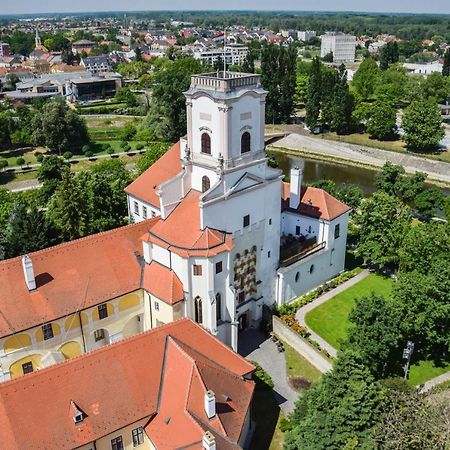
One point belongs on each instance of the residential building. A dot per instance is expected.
(97, 64)
(74, 86)
(306, 36)
(423, 69)
(173, 387)
(83, 45)
(343, 47)
(233, 54)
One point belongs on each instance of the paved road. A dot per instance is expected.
(435, 381)
(254, 346)
(319, 147)
(301, 313)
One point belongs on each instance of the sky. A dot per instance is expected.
(42, 6)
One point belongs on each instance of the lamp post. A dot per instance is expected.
(407, 352)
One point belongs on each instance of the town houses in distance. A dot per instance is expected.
(217, 237)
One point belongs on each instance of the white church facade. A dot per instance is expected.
(224, 223)
(216, 236)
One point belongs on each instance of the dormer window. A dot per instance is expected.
(245, 142)
(206, 143)
(79, 417)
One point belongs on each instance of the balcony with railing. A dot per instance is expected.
(225, 81)
(295, 248)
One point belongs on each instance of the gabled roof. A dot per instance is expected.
(71, 277)
(181, 231)
(145, 186)
(123, 383)
(163, 283)
(315, 203)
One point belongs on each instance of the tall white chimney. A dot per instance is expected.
(295, 187)
(208, 441)
(28, 272)
(210, 404)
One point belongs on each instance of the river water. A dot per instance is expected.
(314, 170)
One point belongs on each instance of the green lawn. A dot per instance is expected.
(422, 371)
(330, 320)
(297, 366)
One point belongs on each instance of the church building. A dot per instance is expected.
(216, 236)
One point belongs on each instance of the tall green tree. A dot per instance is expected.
(287, 77)
(389, 55)
(366, 78)
(167, 115)
(59, 128)
(50, 173)
(342, 407)
(382, 224)
(422, 122)
(382, 121)
(436, 86)
(375, 334)
(68, 208)
(343, 104)
(27, 230)
(328, 90)
(313, 101)
(446, 66)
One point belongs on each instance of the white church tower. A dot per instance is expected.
(225, 154)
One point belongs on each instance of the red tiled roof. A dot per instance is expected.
(315, 203)
(145, 186)
(151, 375)
(163, 283)
(181, 232)
(71, 277)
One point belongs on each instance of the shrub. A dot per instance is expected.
(86, 148)
(262, 379)
(20, 162)
(298, 384)
(39, 157)
(110, 151)
(67, 155)
(3, 164)
(127, 148)
(285, 425)
(139, 146)
(89, 154)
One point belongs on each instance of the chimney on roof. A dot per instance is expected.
(208, 441)
(28, 272)
(295, 187)
(210, 404)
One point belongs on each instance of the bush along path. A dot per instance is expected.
(301, 312)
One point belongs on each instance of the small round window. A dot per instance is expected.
(311, 269)
(297, 277)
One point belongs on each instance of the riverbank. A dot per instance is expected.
(359, 156)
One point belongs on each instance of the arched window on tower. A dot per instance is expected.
(218, 307)
(245, 142)
(198, 311)
(206, 184)
(206, 143)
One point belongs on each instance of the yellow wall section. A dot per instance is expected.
(70, 349)
(40, 334)
(84, 319)
(15, 369)
(129, 301)
(17, 341)
(72, 322)
(109, 307)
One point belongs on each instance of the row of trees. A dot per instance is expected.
(51, 124)
(372, 102)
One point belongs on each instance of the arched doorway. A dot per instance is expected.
(206, 184)
(243, 321)
(133, 326)
(99, 338)
(198, 310)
